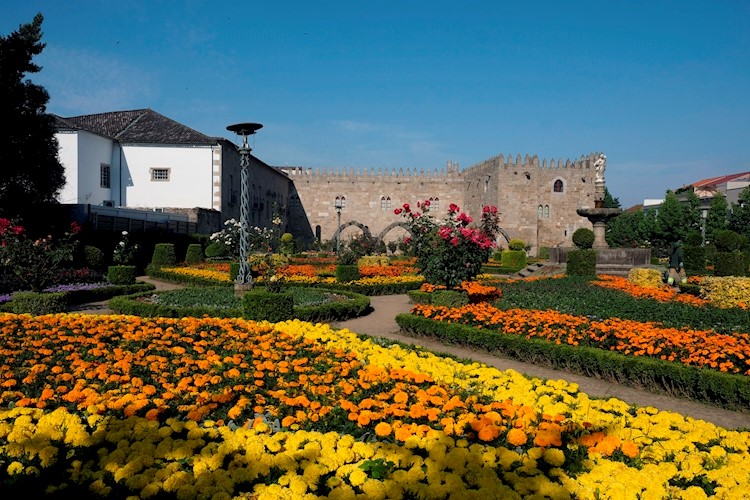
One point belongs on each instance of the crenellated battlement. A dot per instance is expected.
(450, 171)
(500, 161)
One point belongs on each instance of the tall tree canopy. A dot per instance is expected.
(739, 220)
(672, 220)
(716, 218)
(30, 170)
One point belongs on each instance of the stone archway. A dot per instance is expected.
(365, 229)
(388, 228)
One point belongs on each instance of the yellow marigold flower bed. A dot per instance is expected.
(645, 277)
(726, 291)
(222, 408)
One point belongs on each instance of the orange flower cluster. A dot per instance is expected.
(477, 291)
(537, 278)
(297, 270)
(371, 271)
(706, 349)
(664, 294)
(232, 370)
(219, 267)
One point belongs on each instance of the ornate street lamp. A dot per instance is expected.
(339, 205)
(244, 280)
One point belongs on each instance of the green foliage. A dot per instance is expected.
(449, 298)
(581, 263)
(378, 468)
(513, 259)
(631, 229)
(693, 238)
(716, 219)
(121, 275)
(93, 257)
(363, 244)
(125, 251)
(543, 253)
(38, 303)
(261, 305)
(730, 264)
(739, 220)
(692, 211)
(194, 254)
(346, 273)
(516, 244)
(728, 241)
(164, 255)
(31, 171)
(671, 220)
(216, 251)
(287, 244)
(694, 257)
(346, 258)
(609, 200)
(583, 238)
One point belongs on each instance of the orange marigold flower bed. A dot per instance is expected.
(664, 294)
(702, 348)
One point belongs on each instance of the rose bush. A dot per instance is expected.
(452, 250)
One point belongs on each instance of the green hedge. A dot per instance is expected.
(194, 254)
(261, 305)
(38, 302)
(694, 258)
(581, 263)
(346, 273)
(354, 305)
(708, 386)
(164, 255)
(730, 264)
(513, 259)
(121, 275)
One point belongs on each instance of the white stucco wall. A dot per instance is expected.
(82, 153)
(190, 179)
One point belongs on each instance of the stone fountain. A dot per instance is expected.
(608, 260)
(598, 216)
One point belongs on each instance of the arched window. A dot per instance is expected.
(382, 204)
(558, 186)
(539, 212)
(388, 203)
(546, 211)
(435, 203)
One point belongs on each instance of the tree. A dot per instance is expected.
(739, 220)
(30, 171)
(609, 200)
(630, 230)
(692, 210)
(671, 221)
(716, 219)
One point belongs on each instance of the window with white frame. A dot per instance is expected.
(105, 174)
(160, 174)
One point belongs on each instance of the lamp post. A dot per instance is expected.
(244, 279)
(339, 205)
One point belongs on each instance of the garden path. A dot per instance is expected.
(380, 322)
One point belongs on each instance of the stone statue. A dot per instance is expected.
(600, 164)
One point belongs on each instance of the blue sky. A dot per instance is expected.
(661, 87)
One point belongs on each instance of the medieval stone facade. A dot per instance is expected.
(537, 201)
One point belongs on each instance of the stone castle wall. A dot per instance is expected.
(522, 189)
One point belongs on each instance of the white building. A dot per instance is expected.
(141, 159)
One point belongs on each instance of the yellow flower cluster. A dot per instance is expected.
(646, 277)
(726, 291)
(198, 273)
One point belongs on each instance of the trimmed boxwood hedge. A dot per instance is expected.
(51, 302)
(354, 305)
(708, 386)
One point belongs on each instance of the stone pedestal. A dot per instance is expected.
(599, 218)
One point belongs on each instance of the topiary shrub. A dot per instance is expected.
(516, 244)
(726, 241)
(449, 298)
(286, 244)
(513, 259)
(38, 302)
(216, 251)
(730, 264)
(164, 255)
(693, 238)
(581, 263)
(694, 258)
(259, 304)
(93, 257)
(121, 275)
(583, 238)
(346, 273)
(543, 253)
(194, 254)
